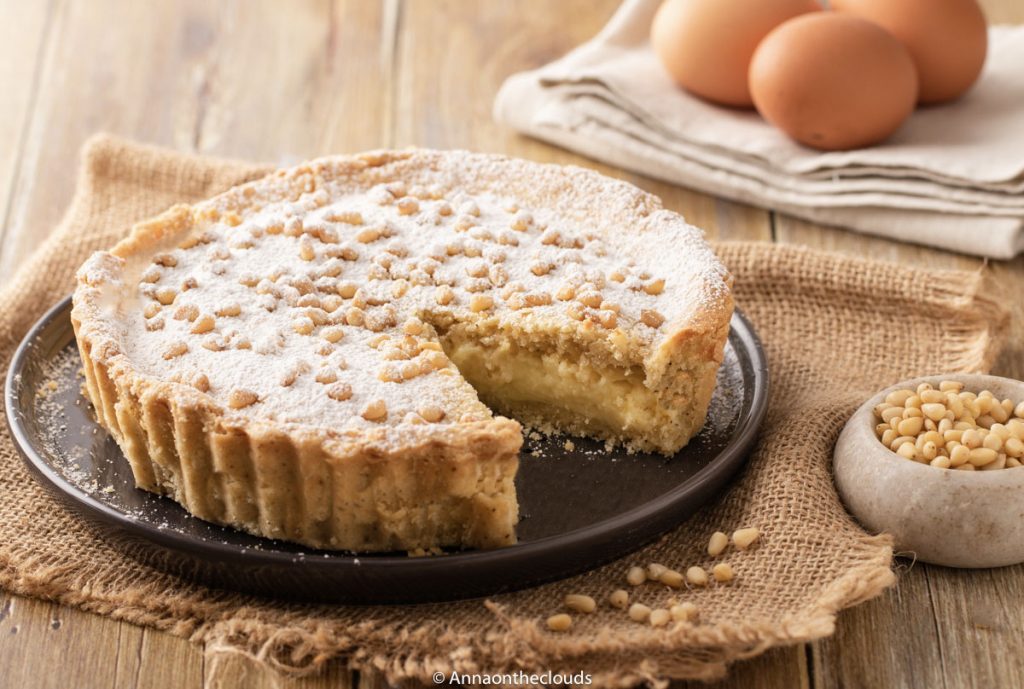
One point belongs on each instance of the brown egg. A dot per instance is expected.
(948, 40)
(833, 81)
(706, 45)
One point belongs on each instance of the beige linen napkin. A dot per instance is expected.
(952, 177)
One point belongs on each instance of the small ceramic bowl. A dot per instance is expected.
(941, 516)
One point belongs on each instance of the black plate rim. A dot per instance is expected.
(717, 472)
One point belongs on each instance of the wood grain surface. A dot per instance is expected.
(281, 82)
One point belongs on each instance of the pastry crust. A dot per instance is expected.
(399, 483)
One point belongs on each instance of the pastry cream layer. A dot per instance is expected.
(572, 395)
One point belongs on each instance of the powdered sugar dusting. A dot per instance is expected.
(324, 306)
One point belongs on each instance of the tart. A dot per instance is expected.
(321, 355)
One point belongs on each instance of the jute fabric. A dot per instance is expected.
(835, 328)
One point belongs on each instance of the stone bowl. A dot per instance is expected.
(940, 516)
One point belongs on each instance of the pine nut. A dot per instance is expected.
(636, 576)
(697, 576)
(432, 414)
(638, 612)
(892, 413)
(719, 541)
(333, 334)
(326, 376)
(683, 612)
(407, 206)
(722, 572)
(993, 442)
(655, 287)
(652, 319)
(203, 324)
(240, 398)
(981, 456)
(959, 455)
(559, 623)
(580, 603)
(660, 617)
(619, 598)
(911, 426)
(671, 577)
(935, 412)
(480, 302)
(166, 295)
(744, 538)
(654, 571)
(175, 349)
(898, 397)
(999, 463)
(377, 410)
(340, 392)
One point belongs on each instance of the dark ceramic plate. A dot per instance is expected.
(580, 508)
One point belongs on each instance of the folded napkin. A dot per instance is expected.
(952, 177)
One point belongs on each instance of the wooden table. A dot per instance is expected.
(287, 81)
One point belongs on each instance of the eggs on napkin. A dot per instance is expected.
(952, 176)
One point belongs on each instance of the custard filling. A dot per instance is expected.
(574, 394)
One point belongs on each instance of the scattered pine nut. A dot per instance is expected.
(654, 571)
(619, 598)
(717, 544)
(671, 577)
(638, 612)
(744, 538)
(580, 603)
(636, 576)
(660, 617)
(722, 572)
(560, 622)
(683, 612)
(697, 576)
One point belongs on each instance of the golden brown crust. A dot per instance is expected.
(326, 492)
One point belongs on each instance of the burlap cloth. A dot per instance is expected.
(836, 329)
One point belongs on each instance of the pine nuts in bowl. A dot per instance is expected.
(934, 462)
